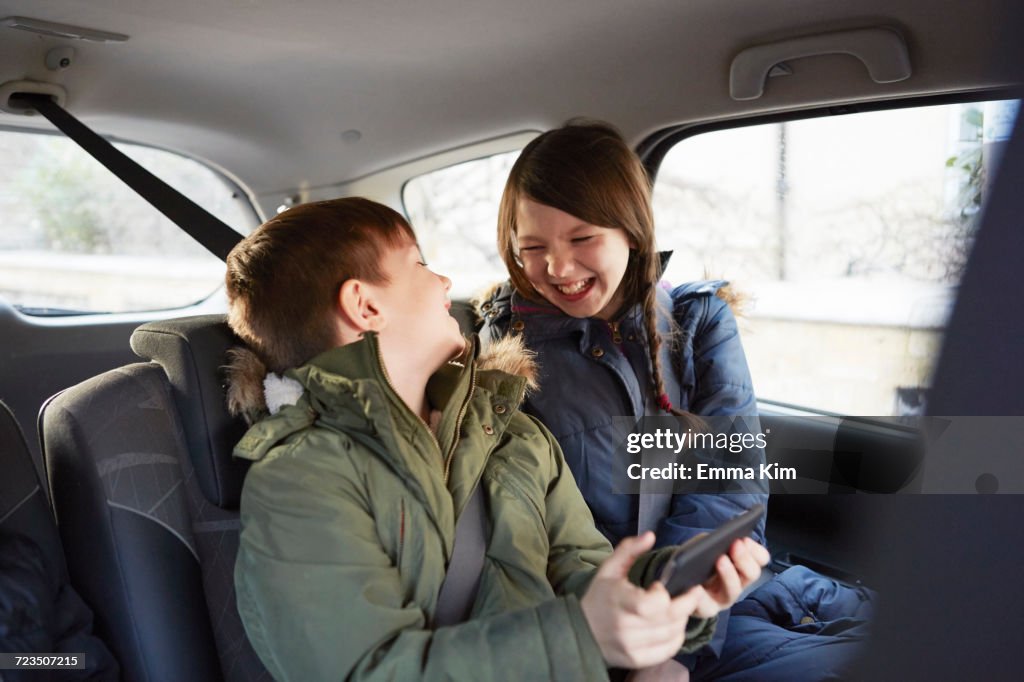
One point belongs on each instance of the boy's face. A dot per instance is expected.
(414, 304)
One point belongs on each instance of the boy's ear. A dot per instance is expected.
(358, 306)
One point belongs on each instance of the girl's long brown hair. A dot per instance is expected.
(586, 169)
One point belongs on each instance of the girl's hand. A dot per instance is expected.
(737, 569)
(634, 627)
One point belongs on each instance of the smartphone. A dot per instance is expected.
(694, 562)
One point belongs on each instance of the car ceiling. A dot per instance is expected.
(265, 89)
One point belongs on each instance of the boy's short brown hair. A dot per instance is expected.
(283, 279)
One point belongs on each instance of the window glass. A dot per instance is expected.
(848, 235)
(454, 211)
(75, 238)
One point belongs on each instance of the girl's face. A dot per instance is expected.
(576, 266)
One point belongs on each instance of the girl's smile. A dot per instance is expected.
(575, 291)
(576, 266)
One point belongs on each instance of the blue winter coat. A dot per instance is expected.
(591, 371)
(586, 379)
(801, 625)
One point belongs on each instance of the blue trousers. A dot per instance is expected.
(800, 626)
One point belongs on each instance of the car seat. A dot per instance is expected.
(146, 496)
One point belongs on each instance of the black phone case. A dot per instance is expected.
(694, 562)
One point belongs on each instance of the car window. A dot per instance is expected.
(846, 234)
(76, 239)
(454, 211)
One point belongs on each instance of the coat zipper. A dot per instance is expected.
(401, 531)
(613, 327)
(458, 423)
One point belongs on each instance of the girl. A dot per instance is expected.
(378, 445)
(576, 232)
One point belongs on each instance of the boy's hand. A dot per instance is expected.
(669, 671)
(634, 627)
(737, 569)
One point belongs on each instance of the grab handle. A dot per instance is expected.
(882, 50)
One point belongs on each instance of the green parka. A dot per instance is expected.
(348, 522)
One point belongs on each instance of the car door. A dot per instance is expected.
(845, 231)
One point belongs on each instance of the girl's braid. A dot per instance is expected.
(654, 341)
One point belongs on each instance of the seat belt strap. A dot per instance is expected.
(653, 508)
(462, 581)
(214, 234)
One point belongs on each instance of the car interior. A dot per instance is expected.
(115, 440)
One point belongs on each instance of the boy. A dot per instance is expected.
(382, 429)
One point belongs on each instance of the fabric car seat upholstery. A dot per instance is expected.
(146, 496)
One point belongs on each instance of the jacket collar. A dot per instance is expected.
(540, 320)
(349, 386)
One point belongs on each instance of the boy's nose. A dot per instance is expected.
(446, 282)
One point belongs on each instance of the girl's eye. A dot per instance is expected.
(580, 240)
(419, 262)
(530, 248)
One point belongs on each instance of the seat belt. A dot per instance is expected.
(652, 506)
(214, 234)
(462, 581)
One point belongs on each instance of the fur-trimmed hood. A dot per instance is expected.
(245, 376)
(253, 392)
(511, 356)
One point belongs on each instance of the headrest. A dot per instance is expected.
(192, 352)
